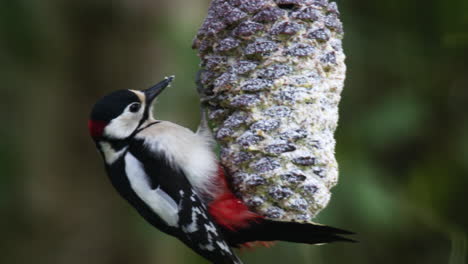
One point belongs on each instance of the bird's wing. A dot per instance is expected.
(167, 191)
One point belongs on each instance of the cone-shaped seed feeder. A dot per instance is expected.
(273, 71)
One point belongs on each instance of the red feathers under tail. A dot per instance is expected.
(244, 226)
(228, 210)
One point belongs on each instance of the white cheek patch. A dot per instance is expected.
(121, 127)
(158, 200)
(124, 125)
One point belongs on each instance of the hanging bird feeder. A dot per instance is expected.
(272, 74)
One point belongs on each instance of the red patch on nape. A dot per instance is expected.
(96, 128)
(228, 210)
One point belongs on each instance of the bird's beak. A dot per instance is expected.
(152, 92)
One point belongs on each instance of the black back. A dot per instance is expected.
(175, 183)
(119, 180)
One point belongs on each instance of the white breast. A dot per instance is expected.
(187, 150)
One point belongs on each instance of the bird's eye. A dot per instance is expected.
(135, 107)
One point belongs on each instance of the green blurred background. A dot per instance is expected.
(402, 142)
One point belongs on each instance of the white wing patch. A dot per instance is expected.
(192, 227)
(211, 228)
(209, 246)
(223, 246)
(158, 200)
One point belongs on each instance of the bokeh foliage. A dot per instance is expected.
(402, 142)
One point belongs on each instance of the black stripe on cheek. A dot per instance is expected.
(145, 116)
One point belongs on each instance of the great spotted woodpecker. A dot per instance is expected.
(171, 176)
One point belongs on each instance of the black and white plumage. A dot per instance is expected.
(172, 206)
(141, 166)
(171, 176)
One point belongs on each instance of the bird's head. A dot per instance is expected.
(118, 115)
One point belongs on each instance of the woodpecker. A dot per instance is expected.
(171, 176)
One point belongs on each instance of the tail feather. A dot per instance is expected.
(268, 230)
(241, 226)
